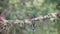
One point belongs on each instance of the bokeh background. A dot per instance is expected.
(21, 9)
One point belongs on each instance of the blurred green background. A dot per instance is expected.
(21, 9)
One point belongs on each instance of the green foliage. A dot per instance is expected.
(1, 10)
(23, 8)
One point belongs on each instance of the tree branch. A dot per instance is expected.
(29, 21)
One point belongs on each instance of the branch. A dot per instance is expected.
(29, 21)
